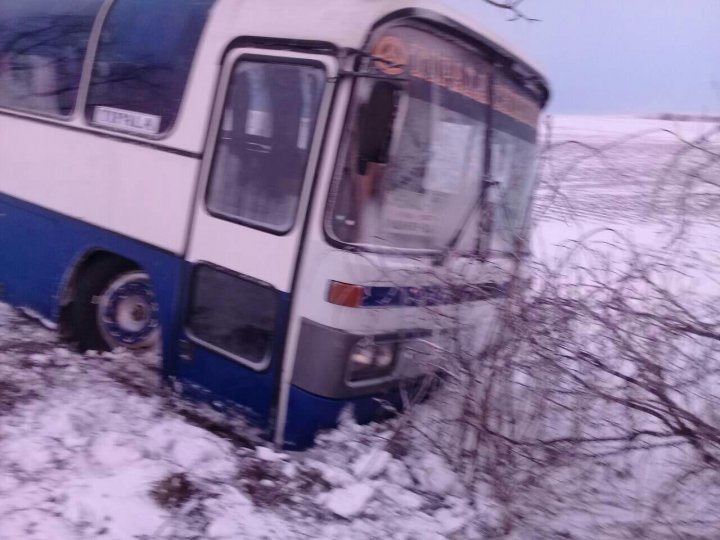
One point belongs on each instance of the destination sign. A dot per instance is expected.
(428, 57)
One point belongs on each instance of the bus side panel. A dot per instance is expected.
(30, 254)
(39, 249)
(133, 190)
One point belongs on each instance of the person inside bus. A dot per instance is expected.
(376, 119)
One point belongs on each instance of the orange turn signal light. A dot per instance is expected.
(344, 294)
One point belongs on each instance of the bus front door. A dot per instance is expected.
(252, 201)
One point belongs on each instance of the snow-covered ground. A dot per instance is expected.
(92, 447)
(632, 190)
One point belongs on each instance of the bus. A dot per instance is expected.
(261, 189)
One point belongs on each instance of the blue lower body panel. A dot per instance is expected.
(309, 414)
(211, 378)
(221, 378)
(39, 249)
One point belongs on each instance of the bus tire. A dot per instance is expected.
(115, 306)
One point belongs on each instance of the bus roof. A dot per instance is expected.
(347, 23)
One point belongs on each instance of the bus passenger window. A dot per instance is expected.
(143, 63)
(264, 142)
(42, 49)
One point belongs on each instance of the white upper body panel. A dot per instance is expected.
(343, 23)
(129, 189)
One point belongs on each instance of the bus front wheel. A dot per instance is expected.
(115, 306)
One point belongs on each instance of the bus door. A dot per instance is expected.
(262, 151)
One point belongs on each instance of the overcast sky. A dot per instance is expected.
(619, 56)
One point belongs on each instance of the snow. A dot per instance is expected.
(434, 475)
(266, 454)
(335, 476)
(371, 464)
(402, 497)
(91, 446)
(633, 197)
(350, 501)
(612, 128)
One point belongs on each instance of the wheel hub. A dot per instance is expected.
(132, 313)
(128, 312)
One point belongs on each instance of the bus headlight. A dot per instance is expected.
(371, 360)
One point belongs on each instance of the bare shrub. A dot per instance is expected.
(594, 398)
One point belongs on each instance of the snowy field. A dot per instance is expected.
(91, 447)
(638, 179)
(638, 191)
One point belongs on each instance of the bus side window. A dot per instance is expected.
(262, 151)
(143, 63)
(42, 49)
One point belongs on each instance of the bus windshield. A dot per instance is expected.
(416, 151)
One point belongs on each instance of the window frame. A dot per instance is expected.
(221, 101)
(258, 367)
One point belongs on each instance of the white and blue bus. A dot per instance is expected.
(260, 187)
